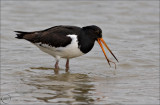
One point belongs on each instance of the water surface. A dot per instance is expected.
(131, 30)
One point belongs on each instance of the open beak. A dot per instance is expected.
(101, 40)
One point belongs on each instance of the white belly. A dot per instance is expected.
(70, 51)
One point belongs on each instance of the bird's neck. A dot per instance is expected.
(85, 42)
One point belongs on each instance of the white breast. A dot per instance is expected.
(70, 51)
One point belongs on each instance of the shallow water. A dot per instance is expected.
(131, 30)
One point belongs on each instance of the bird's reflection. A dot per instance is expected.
(64, 88)
(56, 71)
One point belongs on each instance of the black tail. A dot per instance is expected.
(20, 34)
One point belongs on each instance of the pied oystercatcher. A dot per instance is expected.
(66, 41)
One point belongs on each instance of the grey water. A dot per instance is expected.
(131, 30)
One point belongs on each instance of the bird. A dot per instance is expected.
(66, 41)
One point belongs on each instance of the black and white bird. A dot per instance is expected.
(66, 41)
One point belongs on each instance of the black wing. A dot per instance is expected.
(55, 36)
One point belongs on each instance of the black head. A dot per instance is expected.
(94, 31)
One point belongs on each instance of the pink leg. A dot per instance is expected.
(56, 65)
(56, 70)
(67, 64)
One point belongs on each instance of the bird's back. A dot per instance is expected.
(55, 36)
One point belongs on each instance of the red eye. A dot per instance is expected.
(97, 31)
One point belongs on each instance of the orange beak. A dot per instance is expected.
(101, 40)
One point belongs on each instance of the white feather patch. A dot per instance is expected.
(70, 51)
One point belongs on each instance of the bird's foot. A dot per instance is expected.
(67, 69)
(56, 70)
